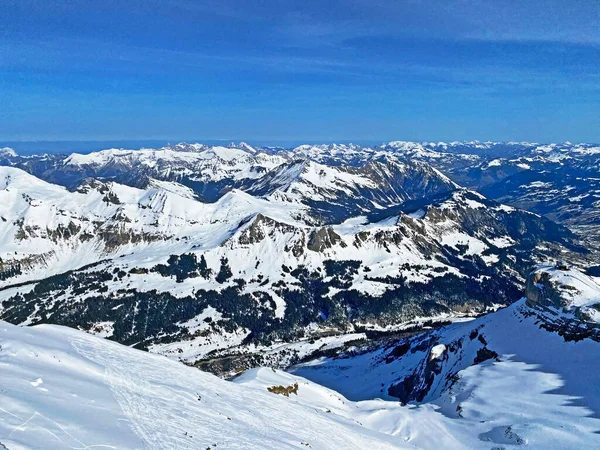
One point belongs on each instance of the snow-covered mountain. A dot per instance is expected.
(555, 180)
(197, 281)
(337, 193)
(559, 181)
(330, 260)
(500, 381)
(532, 363)
(206, 252)
(208, 170)
(47, 229)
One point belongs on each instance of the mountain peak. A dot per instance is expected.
(8, 152)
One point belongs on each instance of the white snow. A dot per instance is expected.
(490, 259)
(99, 394)
(454, 239)
(502, 242)
(66, 389)
(576, 287)
(542, 393)
(578, 198)
(7, 151)
(538, 185)
(437, 351)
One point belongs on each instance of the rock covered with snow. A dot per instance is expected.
(566, 301)
(275, 243)
(7, 152)
(268, 264)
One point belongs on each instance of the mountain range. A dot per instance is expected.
(407, 295)
(218, 255)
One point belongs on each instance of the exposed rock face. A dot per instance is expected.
(323, 239)
(565, 301)
(255, 232)
(483, 354)
(541, 291)
(416, 386)
(261, 227)
(558, 288)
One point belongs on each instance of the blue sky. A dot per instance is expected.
(268, 70)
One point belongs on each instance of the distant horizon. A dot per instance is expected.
(84, 146)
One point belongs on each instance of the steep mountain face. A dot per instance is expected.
(7, 155)
(556, 326)
(565, 301)
(208, 171)
(336, 193)
(559, 181)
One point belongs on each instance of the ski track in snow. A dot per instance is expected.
(147, 397)
(31, 420)
(126, 384)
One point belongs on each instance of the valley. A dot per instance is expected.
(226, 257)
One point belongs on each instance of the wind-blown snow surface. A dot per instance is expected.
(65, 389)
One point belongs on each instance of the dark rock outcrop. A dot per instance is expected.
(323, 239)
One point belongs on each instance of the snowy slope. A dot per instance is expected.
(519, 333)
(7, 152)
(507, 376)
(501, 405)
(47, 229)
(62, 388)
(65, 389)
(575, 289)
(557, 180)
(200, 161)
(203, 252)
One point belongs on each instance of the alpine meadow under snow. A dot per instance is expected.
(407, 295)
